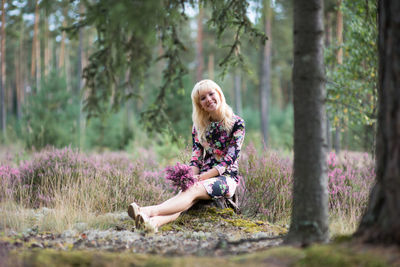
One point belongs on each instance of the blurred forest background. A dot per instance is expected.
(58, 58)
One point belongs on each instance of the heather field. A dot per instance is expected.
(66, 207)
(76, 187)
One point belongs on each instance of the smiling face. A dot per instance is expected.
(209, 100)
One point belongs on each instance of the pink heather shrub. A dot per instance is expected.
(106, 182)
(266, 184)
(9, 180)
(350, 179)
(180, 175)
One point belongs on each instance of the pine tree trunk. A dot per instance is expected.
(339, 60)
(199, 47)
(22, 79)
(62, 44)
(339, 33)
(3, 70)
(265, 82)
(81, 62)
(309, 222)
(35, 72)
(328, 41)
(46, 48)
(381, 222)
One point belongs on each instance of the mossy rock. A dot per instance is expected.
(209, 219)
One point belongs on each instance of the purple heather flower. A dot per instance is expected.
(180, 175)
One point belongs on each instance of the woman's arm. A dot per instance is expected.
(234, 147)
(195, 170)
(196, 160)
(208, 174)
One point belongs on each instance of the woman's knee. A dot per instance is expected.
(199, 191)
(195, 189)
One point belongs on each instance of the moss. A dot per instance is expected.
(334, 255)
(50, 257)
(342, 238)
(166, 228)
(317, 255)
(284, 255)
(205, 218)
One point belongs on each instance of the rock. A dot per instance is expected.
(260, 235)
(69, 234)
(36, 245)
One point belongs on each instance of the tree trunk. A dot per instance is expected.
(67, 68)
(199, 50)
(3, 70)
(81, 62)
(339, 33)
(22, 77)
(35, 72)
(265, 82)
(62, 44)
(309, 222)
(381, 222)
(47, 55)
(328, 41)
(238, 95)
(339, 60)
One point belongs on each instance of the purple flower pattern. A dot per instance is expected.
(221, 149)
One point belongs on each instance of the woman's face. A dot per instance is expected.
(209, 100)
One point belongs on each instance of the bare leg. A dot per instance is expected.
(161, 220)
(179, 203)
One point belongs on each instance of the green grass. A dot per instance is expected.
(318, 255)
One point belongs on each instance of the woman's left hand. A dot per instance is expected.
(197, 177)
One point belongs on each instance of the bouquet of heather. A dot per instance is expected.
(180, 175)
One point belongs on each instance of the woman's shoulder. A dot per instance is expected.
(238, 121)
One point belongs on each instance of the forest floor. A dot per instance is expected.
(205, 237)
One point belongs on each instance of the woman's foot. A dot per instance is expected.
(146, 222)
(133, 212)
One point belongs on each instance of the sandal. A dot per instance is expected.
(145, 221)
(133, 212)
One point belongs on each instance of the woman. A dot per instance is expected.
(218, 135)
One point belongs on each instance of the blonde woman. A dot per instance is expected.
(218, 135)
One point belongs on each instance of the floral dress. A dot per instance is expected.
(221, 151)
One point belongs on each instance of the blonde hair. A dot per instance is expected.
(201, 118)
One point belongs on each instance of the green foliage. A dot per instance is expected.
(280, 125)
(124, 47)
(112, 131)
(51, 114)
(351, 86)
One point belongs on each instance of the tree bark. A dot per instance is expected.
(265, 79)
(35, 71)
(339, 60)
(381, 222)
(328, 41)
(62, 44)
(23, 71)
(46, 48)
(309, 222)
(339, 33)
(3, 70)
(199, 50)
